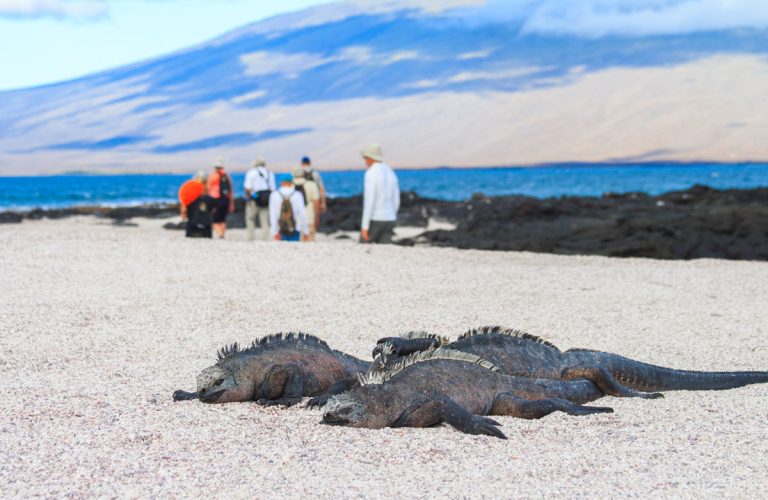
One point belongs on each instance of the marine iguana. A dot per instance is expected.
(442, 385)
(420, 341)
(276, 370)
(520, 353)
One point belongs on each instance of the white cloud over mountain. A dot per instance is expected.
(74, 9)
(633, 18)
(267, 63)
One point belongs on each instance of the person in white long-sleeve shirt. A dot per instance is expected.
(381, 198)
(288, 192)
(259, 183)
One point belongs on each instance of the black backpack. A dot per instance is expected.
(198, 219)
(225, 187)
(262, 197)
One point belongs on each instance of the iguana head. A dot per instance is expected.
(219, 384)
(359, 407)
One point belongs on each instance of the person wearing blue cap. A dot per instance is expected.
(311, 174)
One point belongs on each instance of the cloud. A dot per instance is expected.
(58, 9)
(629, 18)
(292, 65)
(475, 76)
(266, 63)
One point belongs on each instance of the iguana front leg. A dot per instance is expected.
(513, 406)
(283, 385)
(436, 412)
(184, 395)
(337, 388)
(605, 381)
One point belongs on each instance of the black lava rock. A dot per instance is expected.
(695, 223)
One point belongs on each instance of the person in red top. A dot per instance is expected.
(220, 189)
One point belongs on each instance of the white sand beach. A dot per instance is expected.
(99, 324)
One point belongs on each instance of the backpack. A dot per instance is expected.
(287, 223)
(225, 188)
(199, 219)
(308, 174)
(262, 197)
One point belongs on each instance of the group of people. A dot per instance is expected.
(290, 211)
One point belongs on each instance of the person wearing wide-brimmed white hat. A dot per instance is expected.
(381, 198)
(259, 184)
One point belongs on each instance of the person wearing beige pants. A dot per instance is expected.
(251, 213)
(259, 181)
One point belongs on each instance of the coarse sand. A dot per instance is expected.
(99, 324)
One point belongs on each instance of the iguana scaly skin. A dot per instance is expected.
(519, 353)
(445, 386)
(418, 341)
(278, 369)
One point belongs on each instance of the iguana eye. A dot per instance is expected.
(219, 382)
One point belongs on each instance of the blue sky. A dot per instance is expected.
(47, 41)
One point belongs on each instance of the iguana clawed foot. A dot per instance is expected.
(319, 401)
(184, 395)
(485, 426)
(279, 402)
(581, 410)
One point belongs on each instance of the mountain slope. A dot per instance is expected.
(435, 87)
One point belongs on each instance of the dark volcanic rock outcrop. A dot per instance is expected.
(11, 217)
(699, 222)
(119, 214)
(345, 214)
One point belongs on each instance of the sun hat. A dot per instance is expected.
(259, 162)
(372, 151)
(297, 172)
(219, 163)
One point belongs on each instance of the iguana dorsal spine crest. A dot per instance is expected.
(379, 377)
(268, 342)
(511, 332)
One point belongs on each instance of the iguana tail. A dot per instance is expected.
(651, 378)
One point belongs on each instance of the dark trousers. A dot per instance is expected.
(381, 231)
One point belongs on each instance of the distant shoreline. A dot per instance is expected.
(700, 222)
(565, 165)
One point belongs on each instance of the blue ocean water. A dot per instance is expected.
(443, 183)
